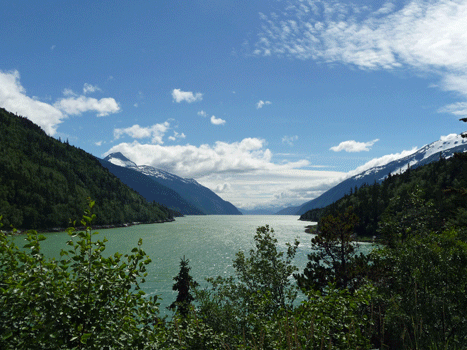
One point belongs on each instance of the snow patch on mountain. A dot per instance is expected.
(120, 160)
(379, 168)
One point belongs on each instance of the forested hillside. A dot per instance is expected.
(445, 147)
(435, 186)
(44, 182)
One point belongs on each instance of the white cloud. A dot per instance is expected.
(98, 143)
(177, 136)
(187, 96)
(425, 36)
(69, 92)
(261, 103)
(14, 99)
(90, 88)
(202, 114)
(276, 186)
(289, 140)
(217, 121)
(458, 109)
(353, 146)
(156, 132)
(82, 104)
(243, 172)
(192, 161)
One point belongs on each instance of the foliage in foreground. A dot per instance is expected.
(82, 300)
(413, 296)
(333, 258)
(254, 309)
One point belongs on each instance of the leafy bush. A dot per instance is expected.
(82, 300)
(336, 320)
(240, 306)
(425, 292)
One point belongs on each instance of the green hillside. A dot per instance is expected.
(435, 187)
(45, 182)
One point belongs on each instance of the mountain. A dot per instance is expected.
(269, 211)
(258, 211)
(152, 190)
(44, 182)
(189, 189)
(288, 211)
(445, 148)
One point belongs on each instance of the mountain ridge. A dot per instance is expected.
(189, 189)
(45, 183)
(445, 147)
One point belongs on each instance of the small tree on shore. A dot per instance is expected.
(183, 283)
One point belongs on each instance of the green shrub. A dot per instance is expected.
(82, 300)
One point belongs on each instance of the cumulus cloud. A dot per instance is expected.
(353, 146)
(261, 103)
(187, 96)
(156, 132)
(289, 140)
(276, 186)
(243, 172)
(14, 99)
(217, 121)
(82, 104)
(424, 36)
(202, 114)
(192, 161)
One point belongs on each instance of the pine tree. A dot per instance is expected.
(183, 283)
(333, 258)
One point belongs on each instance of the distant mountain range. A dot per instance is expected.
(265, 211)
(427, 154)
(184, 195)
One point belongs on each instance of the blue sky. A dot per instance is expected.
(265, 102)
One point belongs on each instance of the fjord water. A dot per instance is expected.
(209, 242)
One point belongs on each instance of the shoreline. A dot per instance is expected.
(19, 232)
(311, 229)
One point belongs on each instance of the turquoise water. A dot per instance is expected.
(209, 242)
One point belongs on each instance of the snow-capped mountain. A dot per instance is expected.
(199, 196)
(445, 147)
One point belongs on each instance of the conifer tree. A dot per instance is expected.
(333, 258)
(183, 283)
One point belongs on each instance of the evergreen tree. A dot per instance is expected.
(333, 258)
(183, 283)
